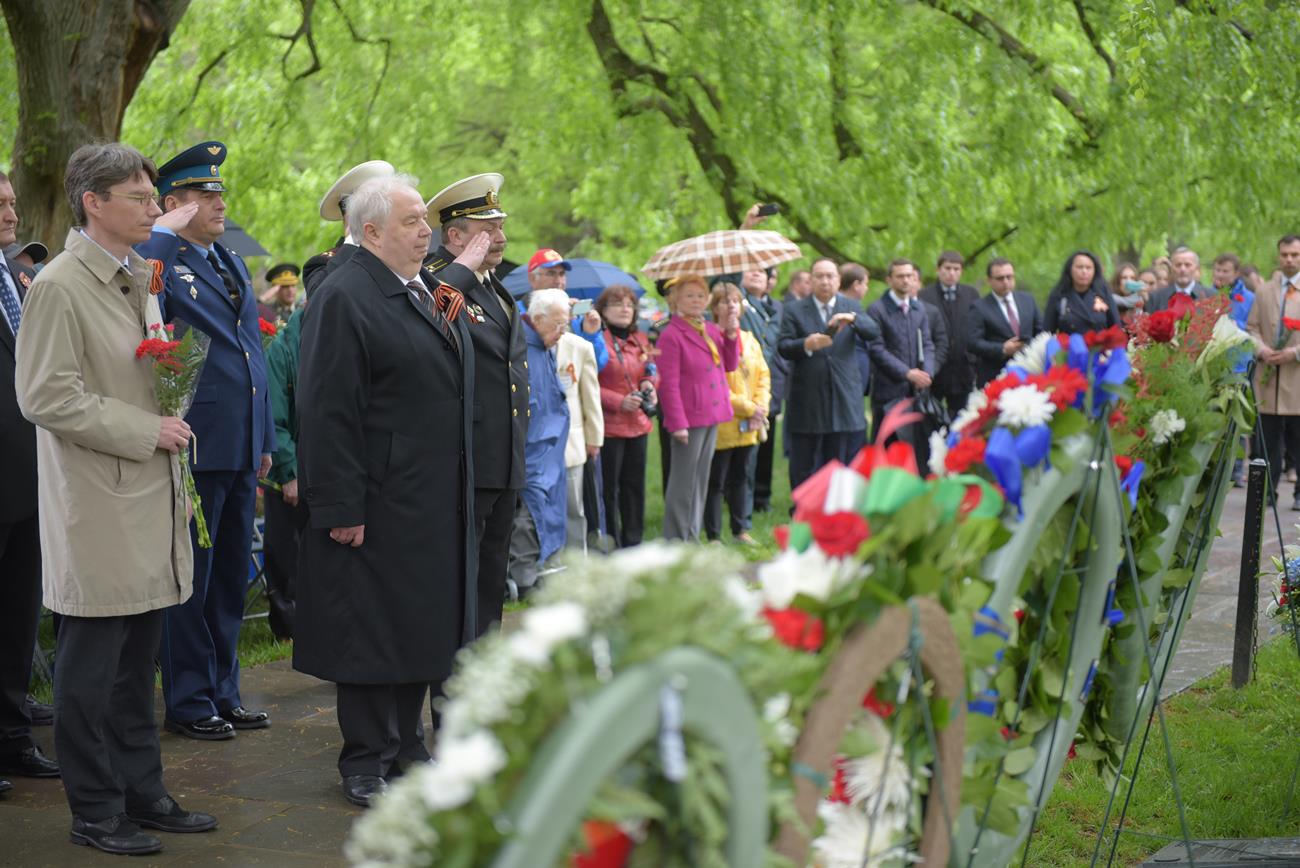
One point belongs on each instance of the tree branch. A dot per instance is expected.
(1013, 229)
(384, 41)
(1209, 7)
(198, 82)
(845, 142)
(1093, 39)
(1015, 49)
(304, 31)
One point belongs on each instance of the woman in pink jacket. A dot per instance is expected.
(694, 356)
(628, 397)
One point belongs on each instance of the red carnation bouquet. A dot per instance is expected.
(269, 330)
(176, 368)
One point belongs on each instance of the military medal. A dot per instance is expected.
(477, 313)
(24, 280)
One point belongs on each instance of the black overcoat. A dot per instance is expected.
(501, 373)
(385, 441)
(825, 387)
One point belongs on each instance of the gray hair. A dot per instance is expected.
(1183, 248)
(372, 202)
(458, 223)
(95, 167)
(542, 301)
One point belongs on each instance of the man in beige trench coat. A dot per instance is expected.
(114, 531)
(1277, 354)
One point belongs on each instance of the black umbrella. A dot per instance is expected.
(237, 240)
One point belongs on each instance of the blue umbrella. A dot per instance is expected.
(587, 279)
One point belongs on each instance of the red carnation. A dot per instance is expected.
(162, 352)
(1160, 326)
(268, 328)
(1238, 297)
(839, 784)
(1019, 615)
(877, 706)
(1008, 733)
(1062, 383)
(796, 629)
(1124, 463)
(1181, 305)
(1073, 753)
(1117, 418)
(965, 453)
(1291, 324)
(839, 533)
(995, 389)
(1108, 339)
(781, 533)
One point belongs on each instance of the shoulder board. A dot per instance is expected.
(436, 264)
(155, 276)
(328, 254)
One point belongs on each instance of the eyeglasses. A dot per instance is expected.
(142, 199)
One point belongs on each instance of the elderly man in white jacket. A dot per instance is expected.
(576, 364)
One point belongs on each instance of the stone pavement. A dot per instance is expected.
(276, 791)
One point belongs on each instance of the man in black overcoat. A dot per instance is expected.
(825, 413)
(902, 353)
(466, 212)
(955, 373)
(1001, 323)
(20, 543)
(333, 208)
(389, 564)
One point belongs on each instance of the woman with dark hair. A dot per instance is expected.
(1081, 300)
(628, 397)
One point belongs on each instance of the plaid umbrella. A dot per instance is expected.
(724, 252)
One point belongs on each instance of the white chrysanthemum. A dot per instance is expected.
(1164, 425)
(938, 452)
(975, 405)
(810, 573)
(879, 779)
(474, 758)
(556, 623)
(745, 598)
(1032, 358)
(489, 684)
(1024, 407)
(776, 711)
(851, 840)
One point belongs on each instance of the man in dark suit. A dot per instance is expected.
(20, 543)
(902, 352)
(760, 315)
(824, 413)
(385, 454)
(955, 374)
(333, 209)
(463, 212)
(1186, 268)
(1000, 323)
(208, 287)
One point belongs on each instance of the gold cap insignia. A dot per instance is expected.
(492, 200)
(214, 149)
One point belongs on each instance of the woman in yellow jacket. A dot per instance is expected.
(751, 394)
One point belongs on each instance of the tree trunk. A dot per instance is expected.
(79, 64)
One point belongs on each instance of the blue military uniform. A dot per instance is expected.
(210, 290)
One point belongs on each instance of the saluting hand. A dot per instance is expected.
(349, 536)
(475, 252)
(178, 218)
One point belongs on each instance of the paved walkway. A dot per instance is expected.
(276, 791)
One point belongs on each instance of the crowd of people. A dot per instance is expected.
(426, 443)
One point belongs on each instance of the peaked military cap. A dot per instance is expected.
(197, 168)
(474, 197)
(333, 203)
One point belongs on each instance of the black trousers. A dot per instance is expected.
(728, 476)
(284, 526)
(1280, 433)
(20, 589)
(665, 453)
(104, 729)
(622, 464)
(761, 484)
(808, 452)
(381, 727)
(494, 511)
(593, 501)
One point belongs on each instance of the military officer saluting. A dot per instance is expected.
(208, 287)
(464, 211)
(334, 208)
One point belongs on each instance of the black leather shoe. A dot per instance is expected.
(5, 786)
(360, 789)
(114, 835)
(30, 763)
(207, 729)
(1295, 504)
(41, 714)
(167, 816)
(241, 718)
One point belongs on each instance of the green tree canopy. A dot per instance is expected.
(883, 128)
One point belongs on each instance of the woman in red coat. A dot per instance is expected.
(694, 356)
(629, 399)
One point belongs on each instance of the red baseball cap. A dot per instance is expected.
(547, 258)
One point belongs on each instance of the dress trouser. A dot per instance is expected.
(381, 727)
(494, 512)
(808, 452)
(1280, 433)
(761, 464)
(688, 484)
(525, 549)
(575, 523)
(284, 526)
(623, 465)
(200, 644)
(20, 589)
(104, 729)
(729, 477)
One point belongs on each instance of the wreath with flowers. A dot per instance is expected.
(1284, 605)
